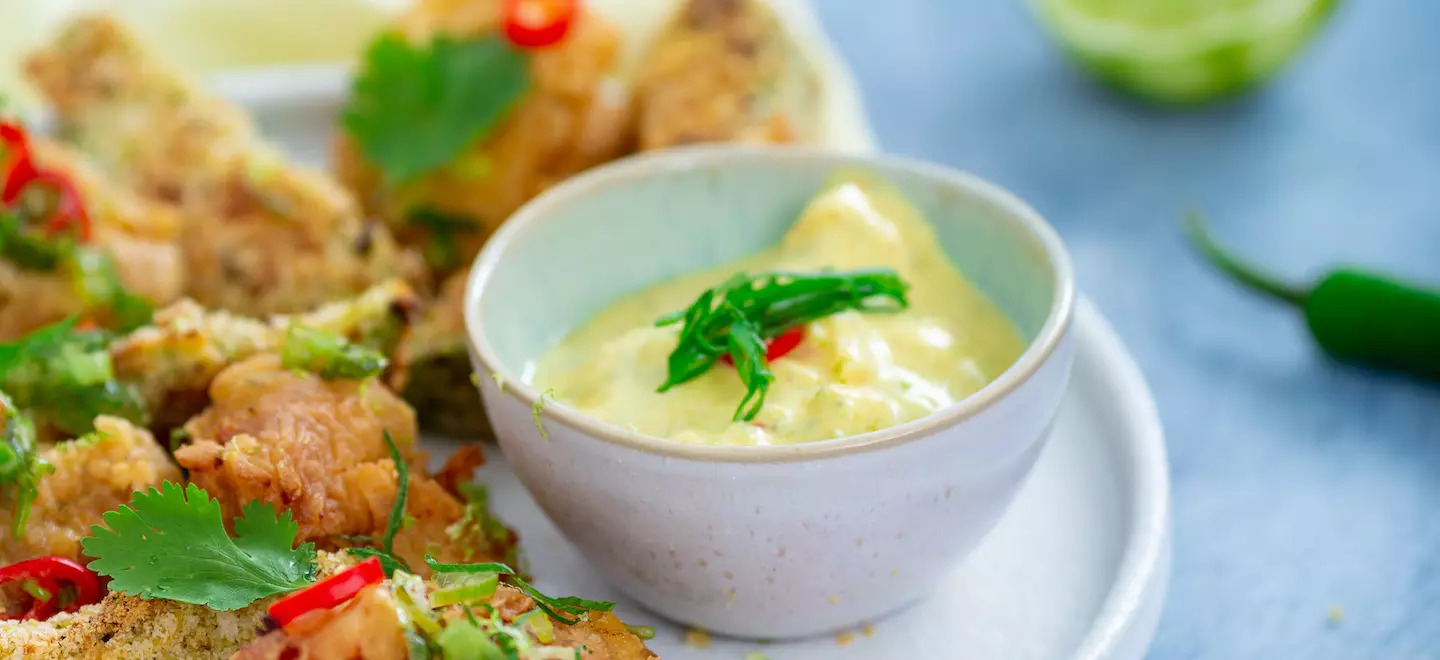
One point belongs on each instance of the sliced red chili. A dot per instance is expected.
(51, 574)
(69, 210)
(329, 592)
(538, 23)
(778, 347)
(19, 169)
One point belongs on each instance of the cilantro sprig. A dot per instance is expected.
(65, 377)
(414, 108)
(567, 610)
(21, 466)
(171, 543)
(739, 316)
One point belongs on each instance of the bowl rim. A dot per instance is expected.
(531, 216)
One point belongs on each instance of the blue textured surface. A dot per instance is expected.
(1299, 486)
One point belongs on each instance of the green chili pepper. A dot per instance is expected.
(1357, 317)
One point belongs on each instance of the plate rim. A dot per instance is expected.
(1130, 613)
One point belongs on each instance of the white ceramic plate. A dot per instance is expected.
(1077, 568)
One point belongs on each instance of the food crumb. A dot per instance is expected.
(868, 629)
(845, 639)
(834, 600)
(697, 638)
(1335, 616)
(756, 655)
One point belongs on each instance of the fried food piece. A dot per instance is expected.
(122, 626)
(440, 387)
(575, 115)
(258, 235)
(317, 449)
(726, 71)
(92, 475)
(174, 359)
(368, 626)
(138, 234)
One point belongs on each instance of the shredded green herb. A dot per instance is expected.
(389, 561)
(739, 316)
(96, 278)
(21, 467)
(535, 412)
(329, 355)
(415, 108)
(567, 610)
(65, 378)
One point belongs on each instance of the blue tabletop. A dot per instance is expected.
(1306, 494)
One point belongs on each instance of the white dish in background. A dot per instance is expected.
(1077, 568)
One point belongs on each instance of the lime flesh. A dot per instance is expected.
(1183, 51)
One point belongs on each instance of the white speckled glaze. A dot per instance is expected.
(766, 542)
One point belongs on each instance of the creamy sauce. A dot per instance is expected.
(853, 373)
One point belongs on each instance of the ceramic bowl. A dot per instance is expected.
(773, 541)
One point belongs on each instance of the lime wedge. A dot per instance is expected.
(1183, 51)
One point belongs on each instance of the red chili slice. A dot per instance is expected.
(19, 169)
(538, 23)
(778, 347)
(69, 210)
(329, 592)
(51, 574)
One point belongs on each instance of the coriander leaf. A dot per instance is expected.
(65, 378)
(329, 355)
(171, 543)
(414, 108)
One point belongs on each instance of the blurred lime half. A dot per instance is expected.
(1183, 51)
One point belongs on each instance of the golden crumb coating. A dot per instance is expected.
(316, 448)
(575, 115)
(92, 475)
(140, 235)
(174, 359)
(725, 71)
(258, 234)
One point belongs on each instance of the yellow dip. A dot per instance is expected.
(853, 373)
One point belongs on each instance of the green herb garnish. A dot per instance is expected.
(739, 316)
(28, 250)
(386, 552)
(171, 543)
(329, 355)
(414, 108)
(99, 284)
(21, 466)
(567, 610)
(440, 250)
(66, 379)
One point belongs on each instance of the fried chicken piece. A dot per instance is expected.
(174, 359)
(575, 115)
(259, 235)
(317, 449)
(726, 71)
(92, 475)
(440, 386)
(139, 235)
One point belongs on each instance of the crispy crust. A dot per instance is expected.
(91, 476)
(259, 235)
(725, 71)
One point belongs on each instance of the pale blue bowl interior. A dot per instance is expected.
(633, 225)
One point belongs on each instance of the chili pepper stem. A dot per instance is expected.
(1246, 274)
